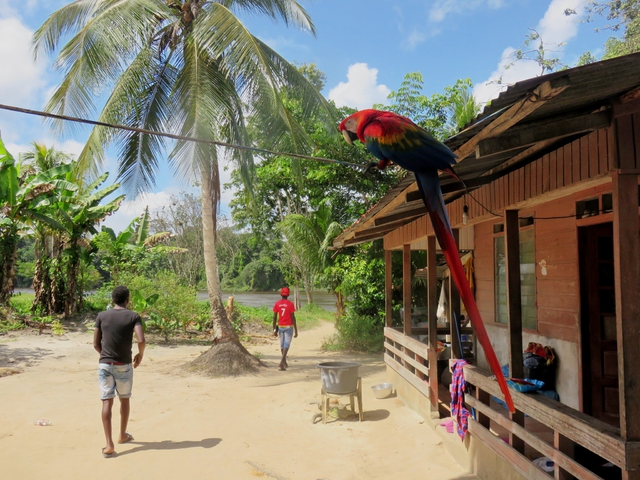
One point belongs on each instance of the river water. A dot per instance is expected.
(259, 299)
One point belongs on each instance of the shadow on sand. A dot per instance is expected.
(21, 357)
(170, 445)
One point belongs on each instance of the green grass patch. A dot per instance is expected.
(21, 303)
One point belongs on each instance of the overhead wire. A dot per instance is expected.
(179, 137)
(234, 146)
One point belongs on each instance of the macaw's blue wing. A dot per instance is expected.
(429, 185)
(408, 145)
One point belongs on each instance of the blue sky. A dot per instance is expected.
(365, 47)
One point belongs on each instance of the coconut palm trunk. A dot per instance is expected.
(222, 329)
(186, 67)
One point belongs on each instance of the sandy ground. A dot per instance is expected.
(191, 427)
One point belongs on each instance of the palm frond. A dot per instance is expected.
(290, 12)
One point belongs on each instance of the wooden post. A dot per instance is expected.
(626, 255)
(388, 288)
(566, 446)
(454, 307)
(432, 302)
(514, 309)
(485, 398)
(514, 295)
(406, 288)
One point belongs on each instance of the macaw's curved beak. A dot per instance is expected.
(349, 136)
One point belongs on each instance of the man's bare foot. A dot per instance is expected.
(127, 438)
(281, 367)
(107, 452)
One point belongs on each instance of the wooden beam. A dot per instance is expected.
(626, 254)
(418, 384)
(388, 288)
(534, 100)
(514, 293)
(530, 134)
(566, 448)
(514, 309)
(432, 318)
(362, 239)
(558, 457)
(454, 308)
(410, 210)
(382, 230)
(406, 288)
(595, 435)
(389, 202)
(518, 461)
(411, 343)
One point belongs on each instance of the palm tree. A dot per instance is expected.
(187, 67)
(309, 238)
(43, 158)
(462, 109)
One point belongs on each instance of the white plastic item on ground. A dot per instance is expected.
(43, 423)
(544, 463)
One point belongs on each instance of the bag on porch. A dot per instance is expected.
(539, 364)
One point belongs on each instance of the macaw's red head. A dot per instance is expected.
(352, 127)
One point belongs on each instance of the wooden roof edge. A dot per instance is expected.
(407, 183)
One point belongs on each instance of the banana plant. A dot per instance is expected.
(24, 200)
(79, 216)
(121, 250)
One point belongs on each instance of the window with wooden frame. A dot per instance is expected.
(527, 275)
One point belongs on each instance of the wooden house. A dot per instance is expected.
(551, 219)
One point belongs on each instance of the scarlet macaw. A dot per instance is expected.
(393, 138)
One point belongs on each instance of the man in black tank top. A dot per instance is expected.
(112, 339)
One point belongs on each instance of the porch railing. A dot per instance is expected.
(409, 358)
(568, 425)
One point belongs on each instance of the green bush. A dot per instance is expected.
(176, 308)
(357, 333)
(361, 328)
(99, 300)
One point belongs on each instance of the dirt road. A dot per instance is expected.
(190, 427)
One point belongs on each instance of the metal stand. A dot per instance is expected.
(357, 393)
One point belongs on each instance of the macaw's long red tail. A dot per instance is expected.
(430, 187)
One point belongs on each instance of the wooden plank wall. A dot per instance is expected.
(556, 240)
(484, 271)
(557, 292)
(579, 160)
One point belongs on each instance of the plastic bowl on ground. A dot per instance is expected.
(382, 390)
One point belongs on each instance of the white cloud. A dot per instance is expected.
(555, 28)
(131, 209)
(22, 78)
(361, 89)
(414, 39)
(442, 8)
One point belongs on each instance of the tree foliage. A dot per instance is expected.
(442, 114)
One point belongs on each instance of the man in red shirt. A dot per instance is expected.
(283, 314)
